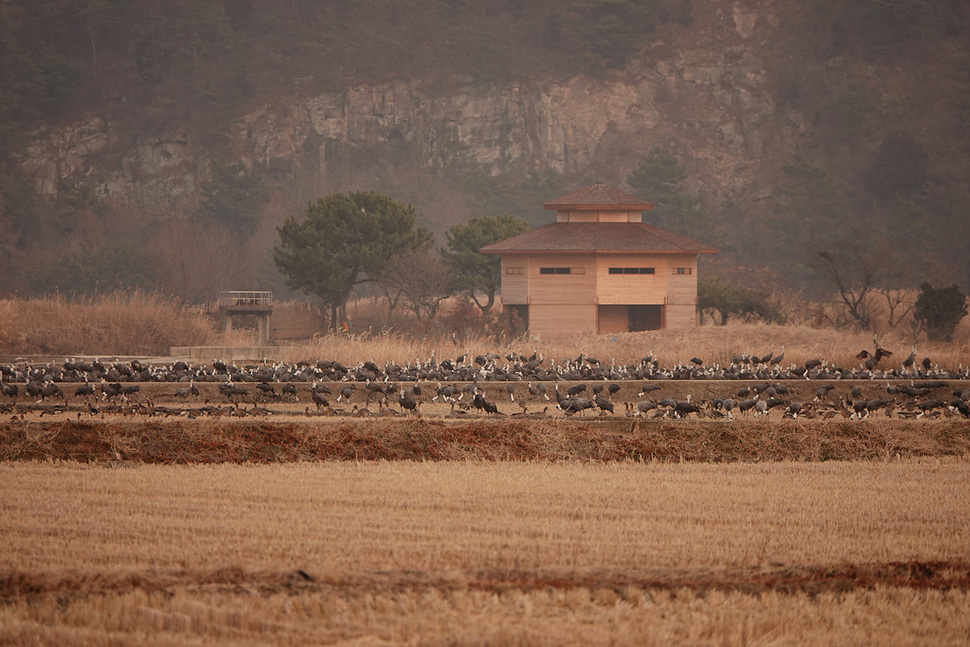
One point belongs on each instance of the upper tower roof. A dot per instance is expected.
(598, 197)
(598, 219)
(598, 237)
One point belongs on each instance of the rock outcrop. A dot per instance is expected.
(709, 104)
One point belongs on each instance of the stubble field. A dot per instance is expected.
(482, 552)
(168, 521)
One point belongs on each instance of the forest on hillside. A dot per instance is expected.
(880, 180)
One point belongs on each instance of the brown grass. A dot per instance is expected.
(486, 553)
(142, 324)
(179, 441)
(719, 344)
(713, 344)
(122, 323)
(210, 615)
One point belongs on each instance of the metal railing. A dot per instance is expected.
(245, 298)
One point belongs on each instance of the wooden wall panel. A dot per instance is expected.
(515, 287)
(682, 288)
(645, 289)
(681, 316)
(550, 321)
(572, 288)
(569, 304)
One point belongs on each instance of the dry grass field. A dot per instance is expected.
(143, 324)
(271, 521)
(713, 344)
(485, 553)
(125, 323)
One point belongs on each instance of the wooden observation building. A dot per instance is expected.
(599, 269)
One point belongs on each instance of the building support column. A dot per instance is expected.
(262, 329)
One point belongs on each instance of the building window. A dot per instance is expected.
(632, 270)
(683, 270)
(513, 270)
(556, 270)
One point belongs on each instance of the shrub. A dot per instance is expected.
(940, 310)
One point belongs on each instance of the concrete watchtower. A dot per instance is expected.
(241, 303)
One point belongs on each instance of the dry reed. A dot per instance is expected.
(720, 344)
(712, 344)
(137, 323)
(121, 323)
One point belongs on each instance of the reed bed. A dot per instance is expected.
(120, 323)
(486, 553)
(146, 324)
(712, 344)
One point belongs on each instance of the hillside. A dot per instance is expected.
(160, 147)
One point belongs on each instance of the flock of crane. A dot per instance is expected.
(477, 384)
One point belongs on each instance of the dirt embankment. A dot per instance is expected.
(173, 441)
(812, 580)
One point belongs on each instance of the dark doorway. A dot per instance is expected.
(519, 318)
(646, 318)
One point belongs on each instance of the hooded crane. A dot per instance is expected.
(538, 390)
(479, 402)
(644, 406)
(50, 390)
(84, 390)
(319, 399)
(408, 402)
(9, 390)
(604, 404)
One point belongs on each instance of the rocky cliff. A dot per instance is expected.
(713, 104)
(798, 126)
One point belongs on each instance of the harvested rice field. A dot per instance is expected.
(486, 552)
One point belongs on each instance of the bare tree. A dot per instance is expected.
(199, 260)
(856, 270)
(897, 305)
(419, 279)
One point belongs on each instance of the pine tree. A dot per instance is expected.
(475, 272)
(345, 240)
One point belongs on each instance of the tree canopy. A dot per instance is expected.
(234, 198)
(659, 178)
(714, 296)
(345, 240)
(607, 32)
(475, 272)
(939, 310)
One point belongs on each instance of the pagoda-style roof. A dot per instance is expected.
(599, 237)
(598, 197)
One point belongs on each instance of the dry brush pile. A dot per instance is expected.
(233, 441)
